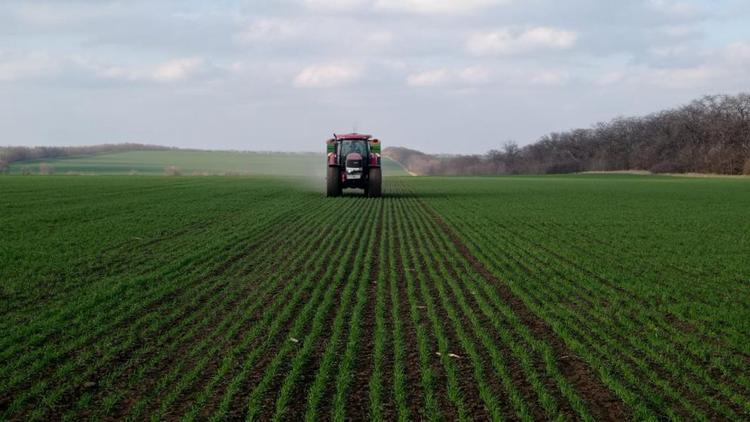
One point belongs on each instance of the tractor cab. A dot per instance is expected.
(353, 162)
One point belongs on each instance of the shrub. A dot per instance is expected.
(172, 171)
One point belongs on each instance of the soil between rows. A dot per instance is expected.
(358, 400)
(602, 402)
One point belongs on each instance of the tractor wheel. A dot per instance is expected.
(333, 183)
(374, 183)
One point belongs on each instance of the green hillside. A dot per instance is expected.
(196, 163)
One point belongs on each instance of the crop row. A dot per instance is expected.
(252, 299)
(269, 313)
(611, 306)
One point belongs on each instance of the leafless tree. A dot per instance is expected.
(709, 135)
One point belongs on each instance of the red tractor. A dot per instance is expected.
(353, 162)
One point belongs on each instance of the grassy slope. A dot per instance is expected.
(198, 162)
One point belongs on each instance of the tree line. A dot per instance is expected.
(10, 155)
(708, 135)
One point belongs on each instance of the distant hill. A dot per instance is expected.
(188, 162)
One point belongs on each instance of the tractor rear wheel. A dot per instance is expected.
(333, 182)
(374, 183)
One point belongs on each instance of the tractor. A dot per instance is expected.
(353, 162)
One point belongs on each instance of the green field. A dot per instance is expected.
(592, 297)
(196, 163)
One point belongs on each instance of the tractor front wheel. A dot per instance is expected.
(374, 183)
(333, 182)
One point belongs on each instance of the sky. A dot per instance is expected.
(441, 76)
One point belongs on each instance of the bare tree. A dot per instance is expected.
(709, 135)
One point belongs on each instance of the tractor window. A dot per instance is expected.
(348, 147)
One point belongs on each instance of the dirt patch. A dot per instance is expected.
(601, 401)
(681, 325)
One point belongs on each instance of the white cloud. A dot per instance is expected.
(738, 53)
(378, 38)
(435, 6)
(442, 76)
(327, 75)
(53, 14)
(177, 69)
(33, 65)
(405, 6)
(678, 31)
(682, 77)
(105, 71)
(474, 75)
(168, 71)
(433, 77)
(269, 29)
(610, 78)
(510, 41)
(676, 9)
(335, 5)
(549, 78)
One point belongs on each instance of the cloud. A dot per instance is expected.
(442, 76)
(549, 78)
(177, 69)
(404, 6)
(269, 30)
(327, 75)
(378, 38)
(335, 5)
(610, 78)
(676, 9)
(51, 14)
(433, 77)
(169, 71)
(474, 75)
(435, 6)
(738, 53)
(683, 78)
(510, 41)
(13, 68)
